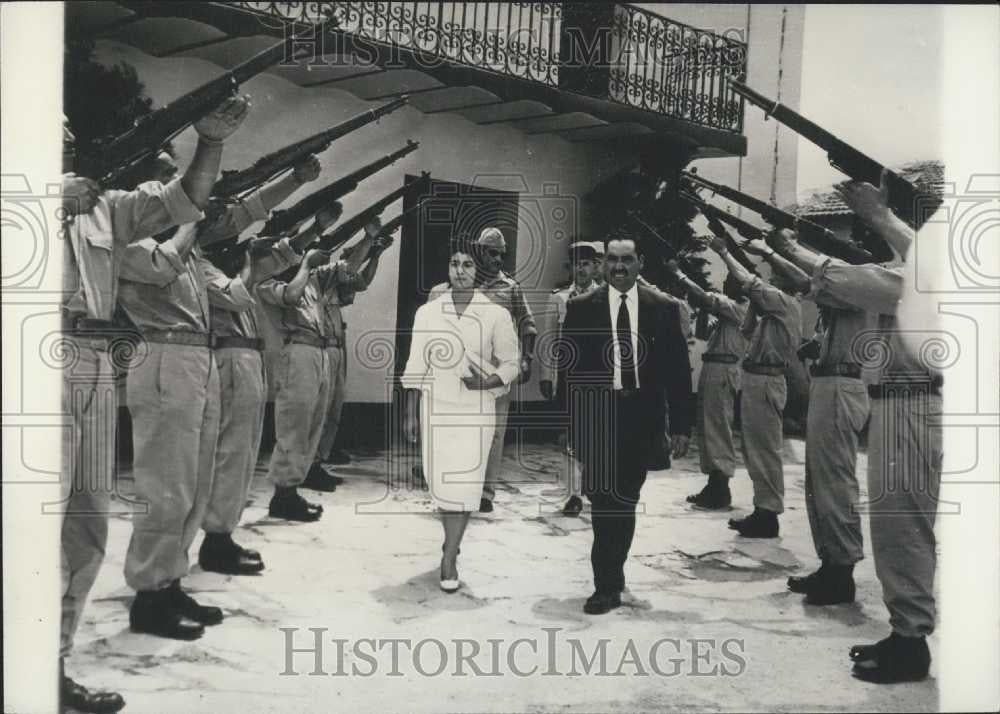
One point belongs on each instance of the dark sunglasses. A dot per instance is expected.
(494, 253)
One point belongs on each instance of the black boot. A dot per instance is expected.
(288, 504)
(894, 659)
(189, 607)
(715, 495)
(219, 554)
(801, 583)
(78, 697)
(338, 457)
(759, 524)
(319, 480)
(834, 587)
(154, 613)
(573, 507)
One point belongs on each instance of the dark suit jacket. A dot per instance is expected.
(586, 366)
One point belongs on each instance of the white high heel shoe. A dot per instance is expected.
(450, 585)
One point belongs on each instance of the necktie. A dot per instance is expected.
(624, 329)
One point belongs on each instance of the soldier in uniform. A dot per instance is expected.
(174, 398)
(838, 411)
(583, 259)
(718, 385)
(99, 226)
(242, 376)
(773, 329)
(340, 297)
(904, 444)
(502, 289)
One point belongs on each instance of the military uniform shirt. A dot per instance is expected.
(776, 338)
(725, 337)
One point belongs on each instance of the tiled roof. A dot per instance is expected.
(928, 176)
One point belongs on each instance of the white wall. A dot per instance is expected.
(451, 148)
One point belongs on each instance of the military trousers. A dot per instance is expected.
(301, 401)
(173, 395)
(495, 461)
(89, 401)
(338, 389)
(761, 405)
(718, 387)
(838, 411)
(243, 389)
(904, 479)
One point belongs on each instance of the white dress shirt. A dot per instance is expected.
(632, 305)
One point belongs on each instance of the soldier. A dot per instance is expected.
(838, 411)
(340, 297)
(506, 292)
(904, 444)
(583, 259)
(242, 377)
(773, 328)
(99, 226)
(718, 385)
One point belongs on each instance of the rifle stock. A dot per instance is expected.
(905, 199)
(236, 183)
(812, 234)
(153, 131)
(283, 222)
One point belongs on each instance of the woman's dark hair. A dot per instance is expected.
(462, 243)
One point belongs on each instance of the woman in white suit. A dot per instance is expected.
(463, 356)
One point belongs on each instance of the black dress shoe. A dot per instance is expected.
(78, 697)
(219, 554)
(894, 659)
(338, 457)
(289, 505)
(759, 524)
(485, 505)
(573, 507)
(153, 613)
(600, 603)
(319, 480)
(835, 586)
(189, 607)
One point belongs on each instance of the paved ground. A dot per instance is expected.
(708, 624)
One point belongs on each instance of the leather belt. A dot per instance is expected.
(933, 385)
(842, 369)
(311, 340)
(726, 359)
(93, 329)
(773, 370)
(180, 337)
(246, 343)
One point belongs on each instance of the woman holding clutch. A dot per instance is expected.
(463, 356)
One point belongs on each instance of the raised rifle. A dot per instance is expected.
(812, 234)
(344, 231)
(909, 203)
(716, 216)
(238, 183)
(155, 130)
(356, 257)
(283, 222)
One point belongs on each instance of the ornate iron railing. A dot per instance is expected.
(610, 51)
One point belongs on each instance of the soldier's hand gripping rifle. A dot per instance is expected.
(357, 253)
(344, 231)
(284, 222)
(155, 130)
(238, 183)
(811, 234)
(910, 204)
(716, 217)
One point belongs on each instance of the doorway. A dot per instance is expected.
(448, 208)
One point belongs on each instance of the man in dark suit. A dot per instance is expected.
(624, 357)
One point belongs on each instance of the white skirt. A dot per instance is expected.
(455, 440)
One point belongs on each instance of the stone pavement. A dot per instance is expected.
(707, 625)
